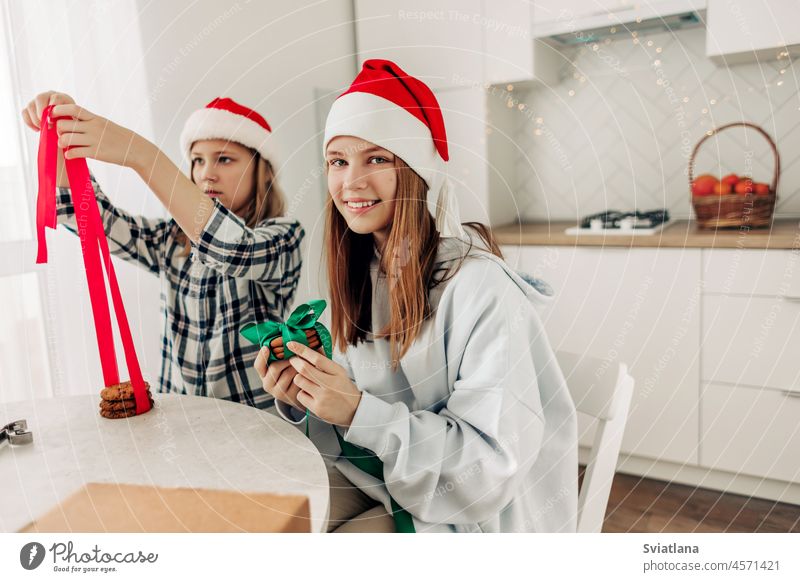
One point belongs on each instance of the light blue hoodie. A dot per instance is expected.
(476, 428)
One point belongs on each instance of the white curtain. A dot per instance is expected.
(91, 50)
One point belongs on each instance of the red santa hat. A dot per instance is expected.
(226, 119)
(400, 113)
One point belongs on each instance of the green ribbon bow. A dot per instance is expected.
(294, 329)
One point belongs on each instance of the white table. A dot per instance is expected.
(184, 441)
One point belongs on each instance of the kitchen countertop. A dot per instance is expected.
(784, 234)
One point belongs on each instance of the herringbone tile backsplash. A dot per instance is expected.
(618, 131)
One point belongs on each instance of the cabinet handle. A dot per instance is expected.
(791, 393)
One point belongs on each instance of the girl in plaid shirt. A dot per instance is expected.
(225, 258)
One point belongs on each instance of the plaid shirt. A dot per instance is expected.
(234, 275)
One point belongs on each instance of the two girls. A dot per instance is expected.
(444, 408)
(225, 258)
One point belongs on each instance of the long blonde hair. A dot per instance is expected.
(409, 259)
(266, 201)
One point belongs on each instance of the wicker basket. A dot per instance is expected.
(735, 210)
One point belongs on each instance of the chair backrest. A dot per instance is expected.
(603, 392)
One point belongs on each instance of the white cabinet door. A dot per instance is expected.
(509, 42)
(752, 341)
(441, 44)
(751, 431)
(752, 271)
(511, 53)
(750, 30)
(641, 307)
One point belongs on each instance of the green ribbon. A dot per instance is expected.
(368, 462)
(293, 329)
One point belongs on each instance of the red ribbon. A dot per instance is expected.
(96, 256)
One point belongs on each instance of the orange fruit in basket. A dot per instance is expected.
(761, 189)
(730, 179)
(745, 186)
(704, 185)
(722, 188)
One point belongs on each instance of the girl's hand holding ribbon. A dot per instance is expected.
(33, 112)
(32, 115)
(87, 135)
(325, 388)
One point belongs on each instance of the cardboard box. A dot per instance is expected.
(119, 508)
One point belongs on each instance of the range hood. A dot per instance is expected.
(644, 19)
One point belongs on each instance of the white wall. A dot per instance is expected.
(618, 131)
(272, 56)
(147, 65)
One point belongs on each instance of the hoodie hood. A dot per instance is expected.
(452, 250)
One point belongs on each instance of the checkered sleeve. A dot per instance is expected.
(132, 238)
(269, 253)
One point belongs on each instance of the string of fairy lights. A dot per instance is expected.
(579, 77)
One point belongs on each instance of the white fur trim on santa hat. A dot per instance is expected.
(384, 123)
(211, 123)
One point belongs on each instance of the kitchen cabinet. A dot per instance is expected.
(752, 431)
(575, 10)
(750, 399)
(456, 43)
(751, 317)
(752, 272)
(437, 45)
(554, 18)
(740, 31)
(709, 336)
(752, 341)
(512, 55)
(641, 307)
(471, 54)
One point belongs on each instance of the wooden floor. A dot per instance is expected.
(646, 505)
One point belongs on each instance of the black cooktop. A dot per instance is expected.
(635, 219)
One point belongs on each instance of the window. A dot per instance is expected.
(24, 361)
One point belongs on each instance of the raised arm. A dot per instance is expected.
(132, 238)
(90, 136)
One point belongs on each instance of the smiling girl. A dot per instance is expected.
(444, 408)
(225, 258)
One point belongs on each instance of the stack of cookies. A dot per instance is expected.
(118, 400)
(276, 345)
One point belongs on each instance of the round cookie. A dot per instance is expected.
(314, 342)
(117, 413)
(120, 405)
(311, 335)
(121, 391)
